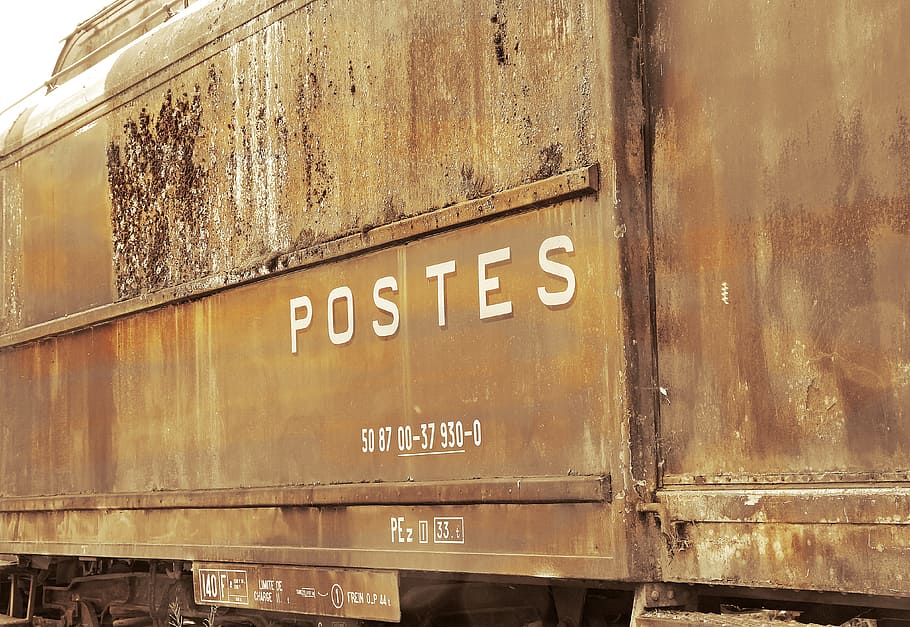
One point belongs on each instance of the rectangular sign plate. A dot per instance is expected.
(363, 594)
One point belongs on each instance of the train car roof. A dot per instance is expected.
(92, 68)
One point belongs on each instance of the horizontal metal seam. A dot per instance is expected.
(525, 490)
(823, 505)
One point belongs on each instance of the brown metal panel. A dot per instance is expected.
(854, 558)
(831, 505)
(782, 239)
(781, 212)
(556, 188)
(292, 141)
(296, 135)
(214, 172)
(65, 230)
(10, 247)
(579, 540)
(836, 538)
(208, 394)
(218, 375)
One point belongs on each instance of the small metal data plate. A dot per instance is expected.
(364, 594)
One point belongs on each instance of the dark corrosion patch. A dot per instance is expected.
(158, 192)
(499, 35)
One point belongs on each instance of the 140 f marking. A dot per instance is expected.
(427, 438)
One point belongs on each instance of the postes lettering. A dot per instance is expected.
(385, 288)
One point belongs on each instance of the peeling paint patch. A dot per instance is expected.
(10, 248)
(158, 198)
(499, 34)
(550, 161)
(317, 178)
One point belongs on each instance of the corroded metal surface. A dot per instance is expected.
(678, 618)
(159, 197)
(315, 252)
(782, 237)
(574, 540)
(567, 489)
(262, 124)
(416, 393)
(857, 558)
(847, 505)
(164, 401)
(781, 242)
(332, 284)
(10, 259)
(557, 188)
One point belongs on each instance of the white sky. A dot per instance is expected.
(31, 34)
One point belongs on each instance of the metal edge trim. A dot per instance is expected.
(561, 187)
(866, 505)
(526, 490)
(708, 481)
(486, 563)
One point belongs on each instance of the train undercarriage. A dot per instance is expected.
(98, 592)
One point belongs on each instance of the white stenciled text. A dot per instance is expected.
(493, 301)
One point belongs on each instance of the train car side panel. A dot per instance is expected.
(438, 311)
(781, 214)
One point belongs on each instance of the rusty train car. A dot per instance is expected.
(488, 312)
